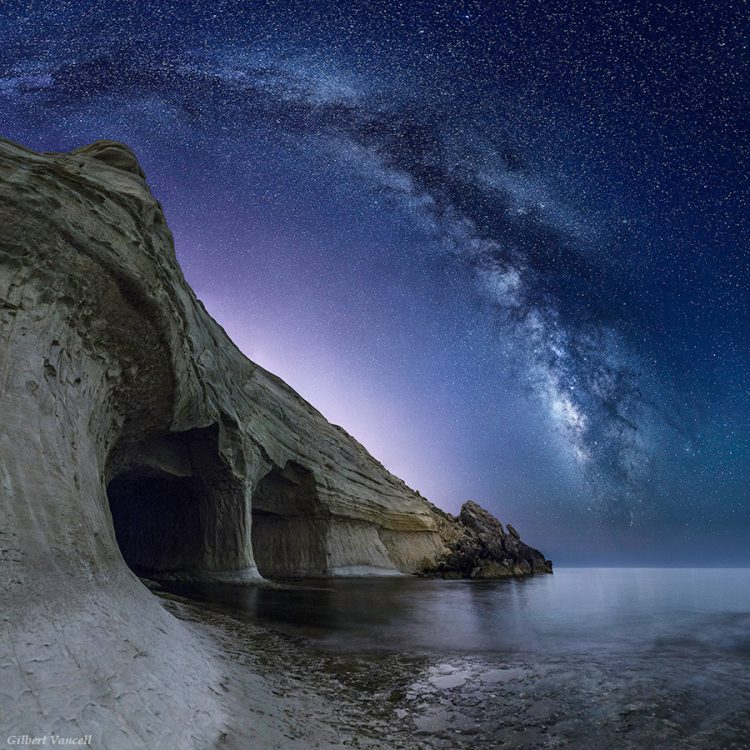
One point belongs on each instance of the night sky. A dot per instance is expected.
(506, 247)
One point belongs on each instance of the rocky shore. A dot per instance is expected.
(285, 692)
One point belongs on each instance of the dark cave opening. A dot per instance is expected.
(288, 533)
(157, 520)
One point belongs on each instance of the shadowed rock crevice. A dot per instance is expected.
(157, 520)
(289, 527)
(178, 509)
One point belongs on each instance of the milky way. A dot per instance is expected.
(567, 182)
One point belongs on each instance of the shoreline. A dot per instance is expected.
(280, 692)
(286, 691)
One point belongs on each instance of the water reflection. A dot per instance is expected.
(580, 610)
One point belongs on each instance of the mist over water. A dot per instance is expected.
(585, 658)
(636, 611)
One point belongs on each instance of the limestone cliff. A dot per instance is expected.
(133, 430)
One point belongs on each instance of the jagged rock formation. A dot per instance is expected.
(133, 429)
(479, 547)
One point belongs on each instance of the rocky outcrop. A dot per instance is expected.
(134, 431)
(479, 547)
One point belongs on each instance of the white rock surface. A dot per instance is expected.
(127, 414)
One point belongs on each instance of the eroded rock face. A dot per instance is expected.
(133, 430)
(483, 549)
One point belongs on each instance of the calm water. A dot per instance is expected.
(617, 610)
(583, 659)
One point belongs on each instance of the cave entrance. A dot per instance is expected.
(288, 531)
(157, 520)
(178, 509)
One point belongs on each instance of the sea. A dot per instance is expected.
(585, 657)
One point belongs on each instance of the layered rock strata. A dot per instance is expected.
(132, 430)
